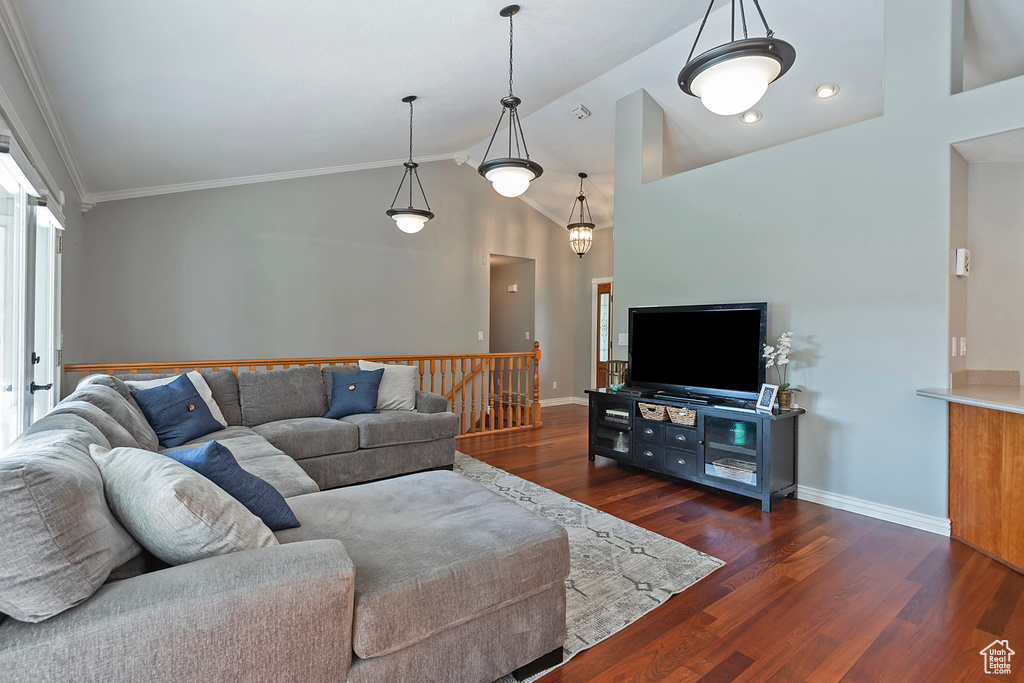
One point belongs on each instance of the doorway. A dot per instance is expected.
(601, 331)
(513, 307)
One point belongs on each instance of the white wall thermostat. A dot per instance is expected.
(963, 262)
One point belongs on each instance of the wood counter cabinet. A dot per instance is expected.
(986, 481)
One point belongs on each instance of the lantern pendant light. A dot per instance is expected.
(510, 175)
(733, 77)
(581, 233)
(409, 219)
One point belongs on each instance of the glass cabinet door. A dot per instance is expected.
(612, 426)
(730, 450)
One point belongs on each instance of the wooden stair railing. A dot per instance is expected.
(507, 381)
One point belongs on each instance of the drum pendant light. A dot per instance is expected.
(733, 77)
(581, 233)
(409, 219)
(510, 175)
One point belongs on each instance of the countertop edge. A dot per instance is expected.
(946, 395)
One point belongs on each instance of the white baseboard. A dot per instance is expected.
(564, 401)
(916, 520)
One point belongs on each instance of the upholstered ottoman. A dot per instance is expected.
(453, 583)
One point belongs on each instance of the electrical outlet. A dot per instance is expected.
(954, 347)
(480, 335)
(554, 385)
(527, 334)
(963, 346)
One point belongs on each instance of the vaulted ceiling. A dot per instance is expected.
(150, 97)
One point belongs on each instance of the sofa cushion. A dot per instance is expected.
(222, 436)
(215, 462)
(431, 550)
(258, 456)
(112, 431)
(58, 539)
(124, 410)
(328, 374)
(354, 393)
(174, 512)
(176, 411)
(398, 386)
(391, 427)
(309, 437)
(223, 385)
(270, 395)
(198, 381)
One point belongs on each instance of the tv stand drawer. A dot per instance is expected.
(680, 464)
(651, 432)
(681, 438)
(648, 456)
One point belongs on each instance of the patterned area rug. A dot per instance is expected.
(618, 571)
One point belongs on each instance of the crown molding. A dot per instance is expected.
(22, 48)
(135, 193)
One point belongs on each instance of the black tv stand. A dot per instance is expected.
(730, 447)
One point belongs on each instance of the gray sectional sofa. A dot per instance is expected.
(421, 577)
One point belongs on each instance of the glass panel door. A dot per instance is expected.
(14, 394)
(46, 338)
(730, 450)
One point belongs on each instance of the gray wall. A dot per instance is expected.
(847, 235)
(512, 315)
(995, 288)
(312, 267)
(958, 286)
(596, 263)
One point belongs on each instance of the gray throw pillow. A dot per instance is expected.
(174, 512)
(398, 386)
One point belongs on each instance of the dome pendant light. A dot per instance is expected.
(581, 233)
(510, 175)
(732, 78)
(410, 220)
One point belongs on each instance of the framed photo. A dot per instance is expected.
(766, 399)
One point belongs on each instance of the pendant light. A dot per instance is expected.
(510, 175)
(410, 220)
(581, 233)
(733, 77)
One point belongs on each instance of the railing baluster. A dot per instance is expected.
(431, 375)
(472, 400)
(463, 416)
(535, 418)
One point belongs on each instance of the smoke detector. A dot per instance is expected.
(580, 112)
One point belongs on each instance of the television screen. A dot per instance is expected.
(713, 349)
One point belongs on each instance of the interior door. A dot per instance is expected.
(604, 336)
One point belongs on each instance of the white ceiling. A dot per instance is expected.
(156, 94)
(993, 49)
(162, 92)
(1005, 147)
(836, 41)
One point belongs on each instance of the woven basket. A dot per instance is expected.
(650, 411)
(682, 416)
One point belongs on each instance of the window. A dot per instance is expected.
(30, 241)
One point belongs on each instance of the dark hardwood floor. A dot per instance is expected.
(809, 593)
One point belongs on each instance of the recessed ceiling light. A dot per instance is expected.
(752, 116)
(826, 90)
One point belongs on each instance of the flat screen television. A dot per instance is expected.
(709, 350)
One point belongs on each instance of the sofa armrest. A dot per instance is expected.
(282, 613)
(427, 402)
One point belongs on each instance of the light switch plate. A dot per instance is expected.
(963, 262)
(963, 346)
(527, 334)
(623, 339)
(480, 335)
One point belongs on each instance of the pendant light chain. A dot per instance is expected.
(743, 21)
(410, 131)
(764, 21)
(510, 55)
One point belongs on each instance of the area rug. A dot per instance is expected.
(618, 571)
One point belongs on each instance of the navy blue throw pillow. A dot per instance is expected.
(176, 412)
(215, 462)
(354, 393)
